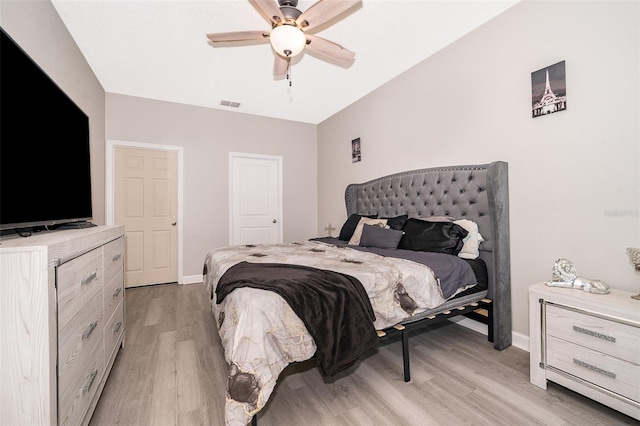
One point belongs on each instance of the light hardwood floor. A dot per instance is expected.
(171, 371)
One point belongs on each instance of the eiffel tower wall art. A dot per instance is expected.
(548, 90)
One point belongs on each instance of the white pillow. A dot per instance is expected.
(355, 238)
(471, 247)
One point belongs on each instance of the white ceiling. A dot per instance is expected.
(158, 49)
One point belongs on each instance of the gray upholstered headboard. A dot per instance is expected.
(479, 193)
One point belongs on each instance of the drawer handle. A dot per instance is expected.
(117, 292)
(117, 327)
(594, 368)
(116, 257)
(89, 330)
(92, 378)
(594, 334)
(89, 278)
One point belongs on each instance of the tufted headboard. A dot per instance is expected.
(479, 193)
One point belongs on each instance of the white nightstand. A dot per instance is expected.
(589, 343)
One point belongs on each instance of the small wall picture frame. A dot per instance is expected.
(356, 153)
(548, 90)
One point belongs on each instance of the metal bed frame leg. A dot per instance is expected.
(405, 354)
(254, 420)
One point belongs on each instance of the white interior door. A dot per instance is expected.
(146, 203)
(255, 199)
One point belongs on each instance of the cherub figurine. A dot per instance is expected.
(564, 275)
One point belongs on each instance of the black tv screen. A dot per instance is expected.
(45, 173)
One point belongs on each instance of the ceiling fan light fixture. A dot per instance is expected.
(287, 40)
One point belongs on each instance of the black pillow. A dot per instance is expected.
(350, 225)
(438, 237)
(377, 236)
(396, 222)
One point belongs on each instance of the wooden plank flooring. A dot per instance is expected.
(172, 371)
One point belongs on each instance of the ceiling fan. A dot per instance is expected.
(289, 34)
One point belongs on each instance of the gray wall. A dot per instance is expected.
(37, 28)
(574, 175)
(207, 136)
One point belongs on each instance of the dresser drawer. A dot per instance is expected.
(609, 337)
(75, 400)
(113, 257)
(113, 330)
(78, 281)
(80, 344)
(611, 373)
(113, 293)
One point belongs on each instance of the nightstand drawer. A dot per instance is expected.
(78, 281)
(609, 337)
(611, 373)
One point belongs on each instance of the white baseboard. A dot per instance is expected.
(191, 279)
(518, 340)
(472, 324)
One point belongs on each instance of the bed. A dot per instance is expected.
(270, 301)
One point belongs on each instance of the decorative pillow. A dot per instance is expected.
(350, 225)
(471, 246)
(376, 236)
(396, 222)
(439, 237)
(355, 238)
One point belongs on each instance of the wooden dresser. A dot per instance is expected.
(62, 323)
(589, 343)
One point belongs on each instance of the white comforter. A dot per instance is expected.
(260, 333)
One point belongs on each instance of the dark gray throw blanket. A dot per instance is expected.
(333, 306)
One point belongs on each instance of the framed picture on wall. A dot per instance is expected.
(356, 154)
(548, 90)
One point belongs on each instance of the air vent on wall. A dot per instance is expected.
(230, 104)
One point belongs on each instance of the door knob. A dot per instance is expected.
(173, 224)
(275, 220)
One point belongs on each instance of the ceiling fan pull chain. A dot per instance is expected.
(289, 74)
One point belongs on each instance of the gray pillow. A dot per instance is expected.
(346, 232)
(377, 236)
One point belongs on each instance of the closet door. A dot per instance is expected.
(255, 200)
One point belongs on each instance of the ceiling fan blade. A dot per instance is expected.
(323, 11)
(269, 10)
(280, 65)
(238, 36)
(329, 49)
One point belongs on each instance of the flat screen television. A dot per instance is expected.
(45, 172)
